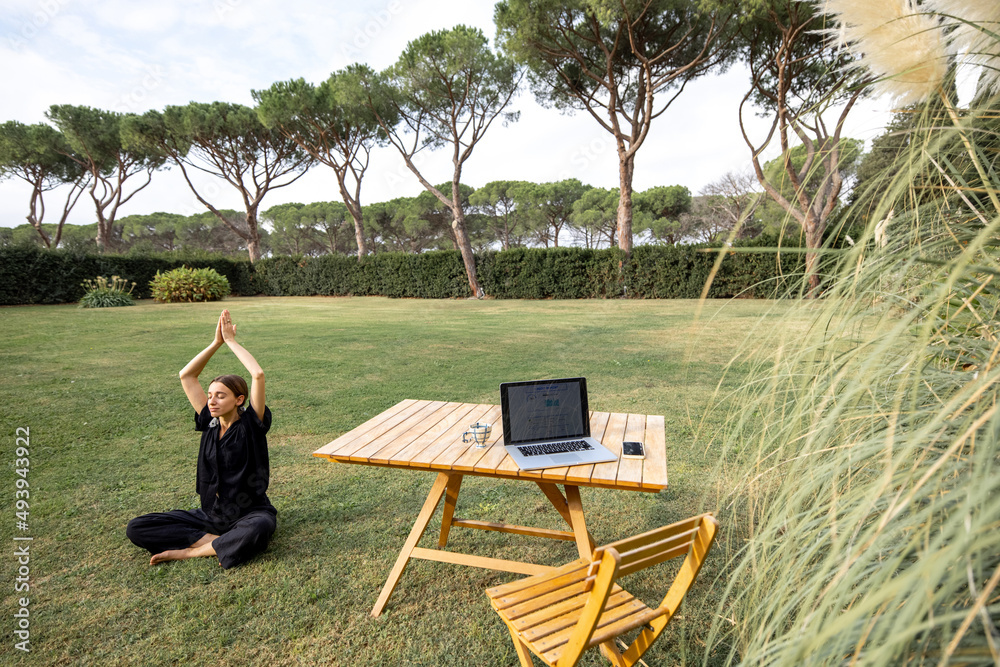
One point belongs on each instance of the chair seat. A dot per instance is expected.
(544, 609)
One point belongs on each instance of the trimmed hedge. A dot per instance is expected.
(32, 275)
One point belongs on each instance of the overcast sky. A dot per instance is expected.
(132, 57)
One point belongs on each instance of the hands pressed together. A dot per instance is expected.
(225, 330)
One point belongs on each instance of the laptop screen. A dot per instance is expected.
(544, 410)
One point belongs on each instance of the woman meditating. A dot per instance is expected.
(236, 519)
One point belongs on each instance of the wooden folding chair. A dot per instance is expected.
(558, 615)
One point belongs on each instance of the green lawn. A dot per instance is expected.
(112, 437)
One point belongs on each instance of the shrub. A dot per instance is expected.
(187, 284)
(104, 294)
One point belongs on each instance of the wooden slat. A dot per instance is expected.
(571, 602)
(613, 436)
(654, 468)
(507, 466)
(564, 615)
(406, 430)
(576, 602)
(514, 529)
(549, 590)
(424, 449)
(465, 455)
(637, 619)
(542, 602)
(348, 441)
(448, 442)
(495, 456)
(668, 543)
(657, 557)
(610, 616)
(478, 561)
(627, 544)
(459, 414)
(498, 592)
(630, 470)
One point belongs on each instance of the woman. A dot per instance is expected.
(236, 519)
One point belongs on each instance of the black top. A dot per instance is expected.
(233, 473)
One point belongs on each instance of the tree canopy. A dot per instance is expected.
(40, 155)
(613, 59)
(94, 141)
(447, 88)
(227, 141)
(660, 210)
(799, 79)
(335, 123)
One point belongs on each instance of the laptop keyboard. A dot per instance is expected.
(554, 448)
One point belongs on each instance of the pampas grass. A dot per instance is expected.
(860, 476)
(902, 47)
(909, 48)
(973, 28)
(862, 491)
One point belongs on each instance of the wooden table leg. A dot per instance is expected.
(423, 519)
(450, 498)
(570, 507)
(584, 543)
(557, 499)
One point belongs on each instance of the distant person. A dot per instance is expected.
(236, 519)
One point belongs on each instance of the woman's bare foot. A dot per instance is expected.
(203, 547)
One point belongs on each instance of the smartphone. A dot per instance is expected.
(633, 450)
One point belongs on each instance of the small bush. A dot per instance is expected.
(104, 294)
(187, 284)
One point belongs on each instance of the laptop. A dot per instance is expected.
(546, 424)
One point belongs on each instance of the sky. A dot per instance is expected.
(132, 57)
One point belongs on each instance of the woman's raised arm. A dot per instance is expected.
(228, 332)
(189, 374)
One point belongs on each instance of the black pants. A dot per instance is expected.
(238, 540)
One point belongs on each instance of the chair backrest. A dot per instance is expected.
(560, 614)
(692, 538)
(659, 545)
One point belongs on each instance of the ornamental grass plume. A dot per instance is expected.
(973, 28)
(899, 44)
(859, 488)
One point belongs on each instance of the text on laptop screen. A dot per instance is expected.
(545, 411)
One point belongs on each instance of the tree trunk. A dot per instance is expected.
(814, 239)
(359, 235)
(253, 236)
(626, 167)
(465, 248)
(253, 247)
(33, 220)
(103, 234)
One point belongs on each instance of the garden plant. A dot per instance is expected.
(102, 293)
(187, 284)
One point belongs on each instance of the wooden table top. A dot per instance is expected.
(427, 435)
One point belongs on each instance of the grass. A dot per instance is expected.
(112, 437)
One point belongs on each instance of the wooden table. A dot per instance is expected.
(427, 435)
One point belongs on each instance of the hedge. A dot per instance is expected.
(32, 275)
